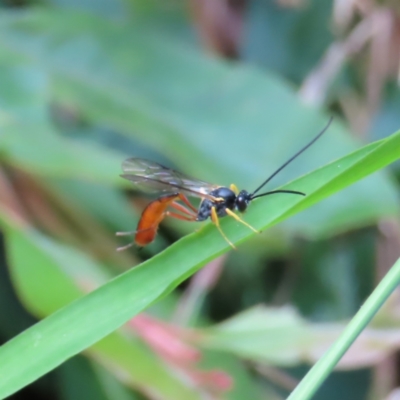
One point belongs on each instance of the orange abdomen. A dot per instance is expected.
(151, 217)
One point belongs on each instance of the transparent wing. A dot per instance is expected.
(151, 177)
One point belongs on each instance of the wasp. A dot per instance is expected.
(174, 188)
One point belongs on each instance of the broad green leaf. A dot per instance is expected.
(92, 317)
(30, 141)
(216, 120)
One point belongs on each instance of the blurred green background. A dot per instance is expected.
(226, 91)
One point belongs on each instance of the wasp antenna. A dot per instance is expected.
(290, 160)
(279, 191)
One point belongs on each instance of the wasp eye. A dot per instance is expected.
(241, 204)
(242, 200)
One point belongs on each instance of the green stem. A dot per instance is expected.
(316, 376)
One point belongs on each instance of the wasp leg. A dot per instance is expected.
(215, 220)
(187, 202)
(233, 215)
(179, 216)
(183, 209)
(132, 232)
(125, 233)
(234, 188)
(122, 248)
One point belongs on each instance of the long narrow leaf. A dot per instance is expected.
(89, 319)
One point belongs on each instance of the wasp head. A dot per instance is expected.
(243, 200)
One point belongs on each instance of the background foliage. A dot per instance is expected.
(225, 91)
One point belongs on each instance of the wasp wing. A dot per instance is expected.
(151, 177)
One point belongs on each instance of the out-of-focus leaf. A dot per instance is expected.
(55, 276)
(284, 39)
(78, 378)
(243, 386)
(110, 8)
(89, 319)
(103, 202)
(277, 335)
(113, 388)
(28, 139)
(13, 317)
(336, 291)
(172, 17)
(281, 337)
(217, 121)
(387, 117)
(144, 370)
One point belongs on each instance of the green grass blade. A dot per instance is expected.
(90, 318)
(313, 380)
